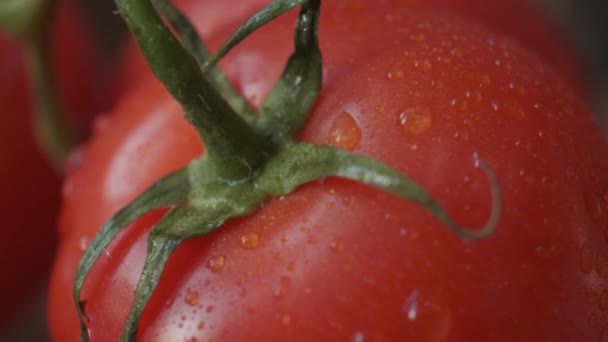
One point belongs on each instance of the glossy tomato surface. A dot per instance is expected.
(30, 188)
(421, 90)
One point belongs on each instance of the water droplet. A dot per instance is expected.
(101, 123)
(480, 79)
(210, 309)
(586, 258)
(359, 336)
(250, 241)
(410, 306)
(344, 132)
(191, 298)
(395, 75)
(286, 319)
(424, 65)
(419, 37)
(84, 242)
(427, 316)
(337, 246)
(285, 238)
(308, 290)
(437, 84)
(216, 263)
(415, 121)
(281, 291)
(75, 159)
(456, 52)
(169, 302)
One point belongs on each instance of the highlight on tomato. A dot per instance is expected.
(291, 220)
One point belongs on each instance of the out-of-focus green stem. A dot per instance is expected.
(29, 21)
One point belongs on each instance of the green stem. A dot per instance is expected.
(19, 17)
(29, 22)
(54, 135)
(235, 147)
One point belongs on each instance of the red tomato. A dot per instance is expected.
(423, 92)
(30, 188)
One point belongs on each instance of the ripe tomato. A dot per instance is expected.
(420, 90)
(30, 188)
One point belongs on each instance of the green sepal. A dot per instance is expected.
(286, 108)
(193, 43)
(261, 18)
(215, 120)
(170, 190)
(210, 205)
(298, 163)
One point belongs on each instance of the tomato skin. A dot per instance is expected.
(30, 188)
(337, 260)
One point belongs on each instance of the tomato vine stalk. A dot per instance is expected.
(29, 22)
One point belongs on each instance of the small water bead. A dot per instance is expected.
(284, 285)
(344, 132)
(286, 319)
(477, 78)
(359, 336)
(84, 242)
(250, 241)
(410, 306)
(191, 298)
(216, 263)
(337, 246)
(395, 75)
(415, 120)
(424, 65)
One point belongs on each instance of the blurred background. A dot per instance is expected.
(586, 26)
(583, 23)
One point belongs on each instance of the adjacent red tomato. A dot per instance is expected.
(30, 188)
(424, 92)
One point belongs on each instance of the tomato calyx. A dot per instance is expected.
(249, 158)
